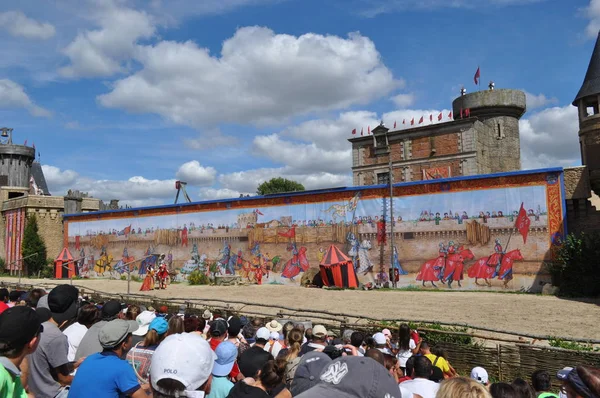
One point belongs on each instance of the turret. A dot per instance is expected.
(587, 102)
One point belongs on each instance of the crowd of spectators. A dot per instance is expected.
(59, 344)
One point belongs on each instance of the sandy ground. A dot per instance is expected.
(520, 313)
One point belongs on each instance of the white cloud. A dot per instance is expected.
(13, 95)
(403, 100)
(57, 178)
(195, 174)
(209, 140)
(222, 193)
(259, 77)
(373, 8)
(19, 25)
(538, 101)
(105, 51)
(592, 12)
(549, 138)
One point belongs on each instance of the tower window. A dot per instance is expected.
(590, 111)
(500, 135)
(383, 178)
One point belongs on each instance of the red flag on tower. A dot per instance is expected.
(477, 76)
(353, 131)
(368, 130)
(523, 222)
(461, 113)
(440, 117)
(412, 121)
(394, 124)
(403, 121)
(421, 120)
(25, 144)
(431, 117)
(362, 131)
(450, 115)
(467, 112)
(33, 145)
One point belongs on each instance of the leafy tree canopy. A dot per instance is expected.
(33, 243)
(279, 185)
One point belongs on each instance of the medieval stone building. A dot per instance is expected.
(482, 139)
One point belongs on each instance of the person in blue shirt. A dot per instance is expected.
(105, 374)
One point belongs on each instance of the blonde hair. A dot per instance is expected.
(462, 387)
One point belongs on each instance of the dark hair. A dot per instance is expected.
(132, 312)
(376, 355)
(88, 315)
(175, 325)
(34, 297)
(404, 340)
(249, 330)
(522, 388)
(15, 295)
(309, 334)
(424, 345)
(234, 330)
(370, 342)
(540, 380)
(503, 390)
(172, 388)
(422, 367)
(191, 324)
(272, 373)
(410, 366)
(439, 352)
(4, 294)
(389, 361)
(356, 339)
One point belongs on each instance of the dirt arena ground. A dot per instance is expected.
(521, 313)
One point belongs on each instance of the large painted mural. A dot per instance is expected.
(448, 234)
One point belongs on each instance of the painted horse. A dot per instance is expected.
(431, 270)
(482, 270)
(298, 263)
(454, 269)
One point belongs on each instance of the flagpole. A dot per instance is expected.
(479, 81)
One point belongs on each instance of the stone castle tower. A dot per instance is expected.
(499, 149)
(587, 102)
(15, 166)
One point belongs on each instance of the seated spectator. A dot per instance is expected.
(105, 373)
(20, 330)
(182, 365)
(143, 320)
(274, 346)
(132, 312)
(462, 387)
(226, 356)
(407, 347)
(480, 375)
(14, 298)
(391, 364)
(441, 353)
(90, 344)
(234, 327)
(408, 371)
(88, 315)
(253, 359)
(420, 384)
(524, 390)
(3, 300)
(140, 356)
(49, 367)
(176, 325)
(376, 355)
(191, 324)
(382, 343)
(290, 354)
(542, 384)
(580, 382)
(502, 390)
(436, 360)
(350, 376)
(217, 332)
(269, 378)
(308, 371)
(357, 339)
(318, 341)
(34, 296)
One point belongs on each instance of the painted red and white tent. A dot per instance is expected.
(337, 269)
(64, 267)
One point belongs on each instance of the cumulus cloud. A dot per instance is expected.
(221, 193)
(373, 8)
(13, 95)
(592, 12)
(195, 174)
(57, 179)
(549, 138)
(19, 25)
(403, 100)
(106, 50)
(538, 101)
(259, 77)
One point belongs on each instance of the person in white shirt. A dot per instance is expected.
(420, 384)
(407, 347)
(273, 346)
(86, 317)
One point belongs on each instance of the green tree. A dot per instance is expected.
(33, 243)
(279, 185)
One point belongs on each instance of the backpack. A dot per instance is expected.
(290, 370)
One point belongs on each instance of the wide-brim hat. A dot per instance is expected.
(274, 326)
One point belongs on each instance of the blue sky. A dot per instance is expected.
(123, 97)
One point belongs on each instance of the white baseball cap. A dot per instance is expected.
(184, 357)
(379, 338)
(263, 333)
(386, 332)
(479, 374)
(274, 336)
(143, 320)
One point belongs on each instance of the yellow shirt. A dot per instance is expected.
(441, 363)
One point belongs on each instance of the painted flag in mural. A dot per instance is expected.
(258, 212)
(523, 222)
(290, 233)
(381, 235)
(125, 231)
(77, 242)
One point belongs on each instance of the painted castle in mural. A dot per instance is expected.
(459, 234)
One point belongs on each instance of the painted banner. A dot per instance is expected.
(453, 233)
(15, 225)
(435, 173)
